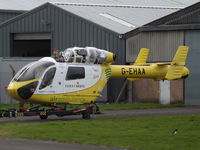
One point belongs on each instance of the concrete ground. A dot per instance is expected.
(113, 113)
(25, 144)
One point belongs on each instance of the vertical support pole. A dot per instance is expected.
(164, 92)
(130, 93)
(121, 91)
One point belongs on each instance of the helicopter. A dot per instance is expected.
(79, 75)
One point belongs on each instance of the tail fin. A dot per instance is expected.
(140, 60)
(180, 56)
(142, 57)
(176, 69)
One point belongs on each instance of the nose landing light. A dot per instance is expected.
(22, 90)
(27, 91)
(12, 91)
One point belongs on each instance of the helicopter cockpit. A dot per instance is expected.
(30, 75)
(88, 55)
(32, 71)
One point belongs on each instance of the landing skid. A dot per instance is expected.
(44, 111)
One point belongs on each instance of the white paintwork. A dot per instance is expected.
(48, 59)
(60, 85)
(164, 92)
(57, 85)
(92, 76)
(46, 90)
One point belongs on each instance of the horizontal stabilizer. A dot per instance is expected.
(163, 64)
(142, 57)
(134, 79)
(174, 72)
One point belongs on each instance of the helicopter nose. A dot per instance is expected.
(22, 90)
(12, 91)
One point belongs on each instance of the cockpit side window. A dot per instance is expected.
(75, 73)
(48, 78)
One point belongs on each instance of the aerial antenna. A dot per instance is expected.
(13, 70)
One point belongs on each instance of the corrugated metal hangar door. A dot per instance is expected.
(192, 83)
(31, 44)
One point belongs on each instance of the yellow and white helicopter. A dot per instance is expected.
(81, 74)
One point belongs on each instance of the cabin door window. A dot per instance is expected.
(74, 73)
(75, 79)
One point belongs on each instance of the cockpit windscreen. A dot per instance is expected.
(32, 71)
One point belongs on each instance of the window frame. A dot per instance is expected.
(73, 75)
(45, 73)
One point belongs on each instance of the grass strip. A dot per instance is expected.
(137, 106)
(145, 133)
(113, 106)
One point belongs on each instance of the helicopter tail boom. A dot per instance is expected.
(159, 71)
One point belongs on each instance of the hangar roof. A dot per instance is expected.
(120, 16)
(30, 4)
(20, 5)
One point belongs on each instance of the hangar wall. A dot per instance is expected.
(162, 45)
(6, 75)
(5, 15)
(192, 84)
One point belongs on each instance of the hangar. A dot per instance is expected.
(122, 27)
(179, 28)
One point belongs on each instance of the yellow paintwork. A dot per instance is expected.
(152, 71)
(180, 56)
(13, 86)
(158, 71)
(110, 57)
(142, 57)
